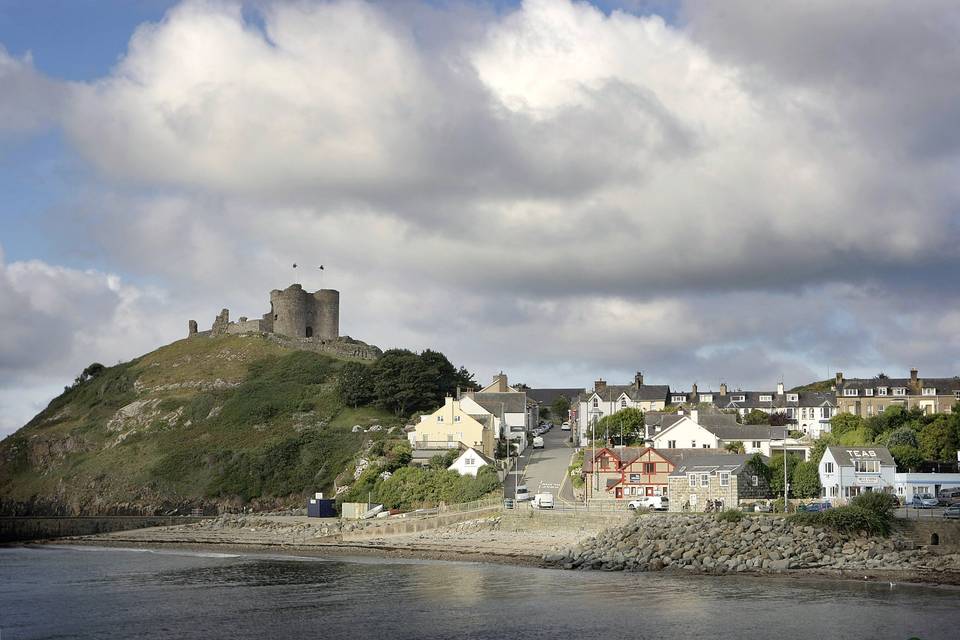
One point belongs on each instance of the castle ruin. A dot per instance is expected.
(296, 318)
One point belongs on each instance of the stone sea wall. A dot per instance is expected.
(700, 543)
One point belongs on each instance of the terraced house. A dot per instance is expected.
(625, 473)
(716, 481)
(868, 397)
(606, 399)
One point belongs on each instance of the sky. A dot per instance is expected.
(706, 192)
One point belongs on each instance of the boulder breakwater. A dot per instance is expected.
(703, 544)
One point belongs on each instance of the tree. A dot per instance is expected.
(778, 419)
(627, 421)
(561, 407)
(938, 439)
(820, 445)
(756, 416)
(735, 447)
(904, 436)
(907, 458)
(844, 422)
(776, 472)
(355, 385)
(89, 373)
(806, 480)
(401, 382)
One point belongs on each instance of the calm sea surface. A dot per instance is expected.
(64, 592)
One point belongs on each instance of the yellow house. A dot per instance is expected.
(451, 425)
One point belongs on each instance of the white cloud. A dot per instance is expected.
(28, 100)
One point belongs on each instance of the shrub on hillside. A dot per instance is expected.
(730, 515)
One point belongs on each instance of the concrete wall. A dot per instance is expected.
(947, 532)
(22, 529)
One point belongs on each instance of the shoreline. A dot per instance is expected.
(948, 580)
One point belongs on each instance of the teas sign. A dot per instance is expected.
(865, 453)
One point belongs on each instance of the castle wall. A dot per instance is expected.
(327, 314)
(246, 326)
(299, 314)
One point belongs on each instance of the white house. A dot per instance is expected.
(698, 430)
(606, 399)
(512, 412)
(908, 485)
(846, 472)
(469, 462)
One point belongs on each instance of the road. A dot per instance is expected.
(544, 470)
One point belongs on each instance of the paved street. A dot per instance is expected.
(544, 470)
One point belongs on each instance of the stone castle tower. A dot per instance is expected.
(299, 314)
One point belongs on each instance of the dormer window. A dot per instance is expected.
(793, 397)
(679, 399)
(737, 398)
(899, 391)
(850, 392)
(868, 392)
(766, 398)
(929, 391)
(707, 397)
(881, 391)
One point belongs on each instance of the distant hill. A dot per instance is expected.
(227, 420)
(822, 385)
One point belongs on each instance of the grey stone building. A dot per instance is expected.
(725, 480)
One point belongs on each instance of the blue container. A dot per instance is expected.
(317, 508)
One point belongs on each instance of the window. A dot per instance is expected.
(623, 403)
(851, 492)
(693, 499)
(649, 467)
(868, 392)
(692, 479)
(604, 462)
(469, 462)
(634, 477)
(828, 467)
(833, 491)
(679, 399)
(755, 444)
(671, 444)
(706, 397)
(766, 398)
(825, 412)
(793, 397)
(791, 413)
(704, 479)
(706, 446)
(929, 391)
(881, 391)
(693, 444)
(439, 418)
(663, 490)
(850, 392)
(956, 394)
(899, 391)
(869, 409)
(724, 478)
(456, 418)
(596, 403)
(754, 480)
(900, 490)
(866, 466)
(921, 491)
(737, 398)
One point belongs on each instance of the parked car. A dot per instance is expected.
(947, 497)
(926, 501)
(656, 503)
(952, 511)
(542, 501)
(521, 493)
(762, 507)
(538, 442)
(814, 507)
(565, 426)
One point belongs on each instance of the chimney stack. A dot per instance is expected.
(780, 388)
(600, 386)
(839, 378)
(723, 388)
(638, 379)
(913, 375)
(693, 392)
(500, 381)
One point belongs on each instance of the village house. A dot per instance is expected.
(514, 415)
(846, 472)
(452, 426)
(867, 397)
(626, 473)
(606, 399)
(707, 430)
(470, 462)
(715, 481)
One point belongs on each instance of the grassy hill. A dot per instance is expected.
(231, 420)
(822, 385)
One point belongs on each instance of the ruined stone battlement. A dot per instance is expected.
(305, 320)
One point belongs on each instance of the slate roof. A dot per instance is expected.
(732, 462)
(492, 401)
(944, 386)
(644, 392)
(844, 459)
(547, 396)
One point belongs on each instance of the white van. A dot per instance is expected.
(565, 426)
(543, 501)
(538, 442)
(656, 503)
(521, 493)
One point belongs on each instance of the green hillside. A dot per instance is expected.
(232, 420)
(822, 385)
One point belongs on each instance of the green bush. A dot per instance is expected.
(850, 519)
(880, 503)
(730, 515)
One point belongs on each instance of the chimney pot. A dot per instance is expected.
(638, 379)
(600, 386)
(780, 388)
(723, 388)
(839, 378)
